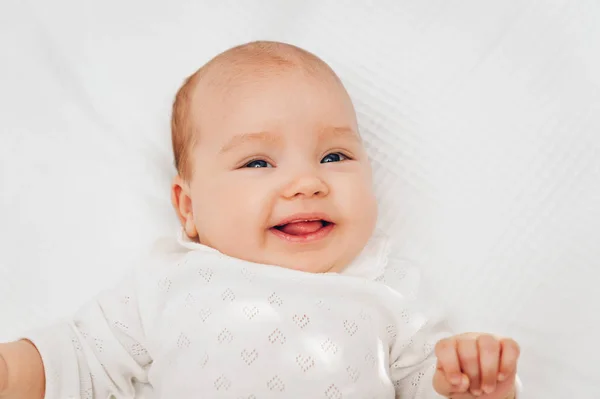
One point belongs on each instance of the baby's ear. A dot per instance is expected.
(182, 202)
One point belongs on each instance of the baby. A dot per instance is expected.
(278, 285)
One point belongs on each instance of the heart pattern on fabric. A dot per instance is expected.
(225, 336)
(204, 314)
(301, 321)
(136, 349)
(405, 316)
(275, 384)
(275, 299)
(222, 383)
(329, 346)
(277, 336)
(206, 274)
(305, 362)
(228, 295)
(333, 392)
(249, 356)
(183, 341)
(164, 285)
(353, 373)
(350, 326)
(251, 312)
(392, 332)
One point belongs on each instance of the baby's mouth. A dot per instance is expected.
(303, 227)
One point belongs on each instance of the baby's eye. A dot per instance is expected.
(258, 163)
(333, 157)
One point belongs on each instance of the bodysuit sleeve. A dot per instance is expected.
(413, 362)
(100, 353)
(418, 327)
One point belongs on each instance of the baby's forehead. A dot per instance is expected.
(237, 78)
(257, 61)
(225, 76)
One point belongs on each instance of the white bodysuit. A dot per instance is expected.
(194, 323)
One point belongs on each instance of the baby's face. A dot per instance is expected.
(280, 175)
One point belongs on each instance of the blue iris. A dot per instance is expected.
(333, 157)
(258, 163)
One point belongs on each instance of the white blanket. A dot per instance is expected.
(483, 122)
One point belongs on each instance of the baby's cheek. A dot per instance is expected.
(359, 199)
(244, 211)
(358, 209)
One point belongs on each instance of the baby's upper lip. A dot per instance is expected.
(304, 217)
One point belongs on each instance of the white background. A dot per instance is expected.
(483, 122)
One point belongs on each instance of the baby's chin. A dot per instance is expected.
(321, 259)
(309, 262)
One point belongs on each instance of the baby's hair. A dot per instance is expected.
(259, 58)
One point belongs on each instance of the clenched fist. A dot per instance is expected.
(476, 366)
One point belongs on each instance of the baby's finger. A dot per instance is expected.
(442, 385)
(461, 396)
(445, 351)
(489, 358)
(468, 353)
(510, 352)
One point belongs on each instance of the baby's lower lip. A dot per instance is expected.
(304, 238)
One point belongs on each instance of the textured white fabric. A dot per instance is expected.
(195, 321)
(482, 120)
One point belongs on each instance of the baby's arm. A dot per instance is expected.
(466, 366)
(24, 378)
(100, 353)
(426, 351)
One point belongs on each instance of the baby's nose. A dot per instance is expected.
(306, 186)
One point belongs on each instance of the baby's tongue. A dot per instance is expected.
(301, 228)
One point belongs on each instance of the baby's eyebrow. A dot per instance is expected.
(244, 138)
(329, 132)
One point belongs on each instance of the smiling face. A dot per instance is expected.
(279, 174)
